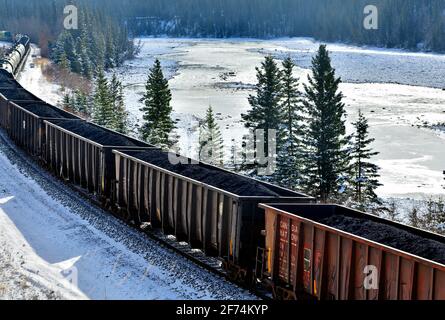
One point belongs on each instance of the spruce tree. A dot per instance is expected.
(66, 102)
(290, 155)
(103, 113)
(84, 54)
(266, 112)
(365, 179)
(120, 114)
(82, 103)
(64, 63)
(326, 159)
(157, 127)
(211, 143)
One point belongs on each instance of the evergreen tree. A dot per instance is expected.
(290, 155)
(365, 179)
(413, 217)
(326, 157)
(157, 127)
(64, 63)
(73, 55)
(84, 54)
(266, 112)
(120, 114)
(103, 113)
(82, 103)
(211, 143)
(66, 102)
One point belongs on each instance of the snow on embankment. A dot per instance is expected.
(60, 247)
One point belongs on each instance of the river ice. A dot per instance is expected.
(398, 91)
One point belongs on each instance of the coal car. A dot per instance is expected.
(81, 152)
(210, 208)
(330, 252)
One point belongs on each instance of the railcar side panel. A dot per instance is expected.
(308, 259)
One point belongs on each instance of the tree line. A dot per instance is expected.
(100, 41)
(104, 105)
(407, 24)
(402, 23)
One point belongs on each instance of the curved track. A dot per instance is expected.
(180, 278)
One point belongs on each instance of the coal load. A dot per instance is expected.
(19, 95)
(98, 134)
(6, 81)
(236, 184)
(388, 235)
(45, 110)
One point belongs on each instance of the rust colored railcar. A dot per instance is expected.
(23, 121)
(183, 201)
(331, 252)
(81, 152)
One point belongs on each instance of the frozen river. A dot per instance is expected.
(398, 91)
(380, 82)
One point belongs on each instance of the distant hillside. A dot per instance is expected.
(407, 24)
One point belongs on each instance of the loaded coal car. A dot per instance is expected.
(331, 252)
(212, 209)
(81, 152)
(7, 80)
(22, 115)
(24, 123)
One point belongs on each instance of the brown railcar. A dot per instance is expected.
(85, 159)
(219, 222)
(307, 258)
(23, 121)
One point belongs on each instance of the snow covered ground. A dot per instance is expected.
(378, 81)
(33, 80)
(54, 245)
(4, 44)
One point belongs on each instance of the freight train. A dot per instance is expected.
(15, 58)
(264, 235)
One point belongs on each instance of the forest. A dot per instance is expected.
(410, 24)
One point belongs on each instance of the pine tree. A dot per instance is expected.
(413, 217)
(82, 103)
(120, 114)
(73, 55)
(103, 113)
(365, 179)
(326, 159)
(84, 54)
(290, 155)
(64, 63)
(66, 102)
(266, 112)
(211, 143)
(157, 127)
